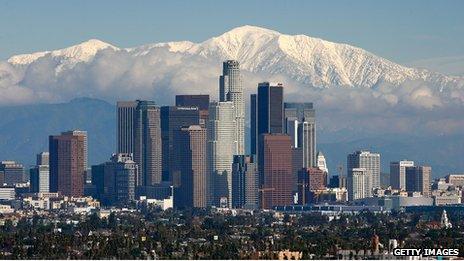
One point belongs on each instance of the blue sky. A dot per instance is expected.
(403, 31)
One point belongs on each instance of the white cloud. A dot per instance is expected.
(116, 75)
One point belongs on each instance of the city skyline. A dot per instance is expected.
(219, 130)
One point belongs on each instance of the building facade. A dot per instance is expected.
(369, 161)
(11, 172)
(418, 179)
(268, 106)
(245, 182)
(275, 168)
(221, 149)
(189, 156)
(199, 101)
(173, 118)
(125, 126)
(115, 180)
(147, 143)
(40, 178)
(68, 163)
(398, 173)
(300, 124)
(359, 185)
(231, 89)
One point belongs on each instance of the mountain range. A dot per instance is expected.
(309, 61)
(362, 100)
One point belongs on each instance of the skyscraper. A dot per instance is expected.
(68, 159)
(11, 172)
(369, 161)
(199, 101)
(268, 106)
(418, 179)
(172, 119)
(300, 124)
(253, 123)
(43, 158)
(245, 182)
(147, 143)
(359, 184)
(125, 126)
(310, 180)
(221, 149)
(321, 163)
(115, 179)
(275, 168)
(40, 174)
(231, 89)
(40, 178)
(398, 173)
(189, 157)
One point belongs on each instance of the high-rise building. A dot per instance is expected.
(147, 143)
(359, 185)
(173, 119)
(189, 157)
(245, 182)
(40, 174)
(369, 161)
(253, 123)
(43, 158)
(306, 141)
(321, 163)
(115, 180)
(125, 126)
(275, 168)
(418, 179)
(199, 101)
(455, 179)
(221, 149)
(11, 172)
(310, 180)
(300, 124)
(398, 173)
(231, 89)
(68, 159)
(268, 105)
(83, 135)
(334, 181)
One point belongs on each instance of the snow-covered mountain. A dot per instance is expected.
(83, 52)
(310, 61)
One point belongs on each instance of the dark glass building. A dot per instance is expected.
(245, 182)
(199, 101)
(173, 119)
(266, 112)
(147, 143)
(189, 158)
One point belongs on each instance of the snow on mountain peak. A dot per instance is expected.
(82, 52)
(310, 61)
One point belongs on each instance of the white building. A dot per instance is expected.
(366, 160)
(231, 89)
(398, 173)
(221, 149)
(7, 193)
(164, 204)
(321, 163)
(456, 179)
(359, 184)
(6, 209)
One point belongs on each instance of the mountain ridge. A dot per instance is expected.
(310, 61)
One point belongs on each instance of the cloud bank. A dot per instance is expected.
(412, 107)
